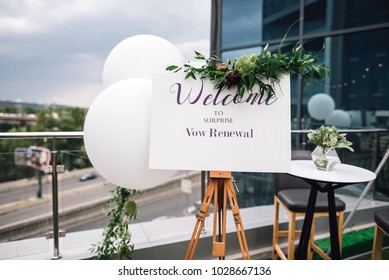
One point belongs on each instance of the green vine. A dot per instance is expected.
(264, 69)
(116, 236)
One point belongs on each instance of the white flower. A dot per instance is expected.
(328, 138)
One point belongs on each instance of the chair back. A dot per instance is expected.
(285, 181)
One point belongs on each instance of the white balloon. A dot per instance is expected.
(117, 132)
(320, 106)
(139, 56)
(339, 118)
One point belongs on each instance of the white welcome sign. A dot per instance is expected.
(197, 127)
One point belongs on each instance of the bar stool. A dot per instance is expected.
(292, 194)
(381, 219)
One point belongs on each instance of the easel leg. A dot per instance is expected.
(220, 186)
(238, 221)
(219, 222)
(200, 220)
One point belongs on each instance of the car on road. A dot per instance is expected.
(88, 176)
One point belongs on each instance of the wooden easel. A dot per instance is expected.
(219, 187)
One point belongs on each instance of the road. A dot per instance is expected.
(173, 206)
(20, 205)
(12, 194)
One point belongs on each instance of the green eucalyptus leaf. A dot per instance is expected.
(253, 68)
(199, 55)
(130, 208)
(116, 237)
(171, 67)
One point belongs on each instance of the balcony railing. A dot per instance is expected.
(18, 194)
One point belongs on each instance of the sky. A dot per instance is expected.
(53, 51)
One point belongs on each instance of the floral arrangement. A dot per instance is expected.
(264, 69)
(328, 138)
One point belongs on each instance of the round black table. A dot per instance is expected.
(326, 182)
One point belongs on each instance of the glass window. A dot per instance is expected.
(329, 15)
(231, 55)
(254, 188)
(315, 15)
(278, 16)
(359, 62)
(359, 77)
(241, 22)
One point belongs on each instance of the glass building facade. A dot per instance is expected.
(355, 36)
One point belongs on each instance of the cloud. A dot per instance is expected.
(78, 95)
(27, 17)
(50, 47)
(187, 48)
(11, 25)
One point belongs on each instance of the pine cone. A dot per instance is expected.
(233, 77)
(221, 66)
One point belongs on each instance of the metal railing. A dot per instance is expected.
(375, 131)
(53, 136)
(54, 172)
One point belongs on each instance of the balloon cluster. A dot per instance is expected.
(117, 125)
(321, 106)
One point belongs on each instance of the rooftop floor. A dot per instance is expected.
(169, 239)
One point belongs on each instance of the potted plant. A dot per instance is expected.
(327, 139)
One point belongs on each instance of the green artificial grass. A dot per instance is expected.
(355, 243)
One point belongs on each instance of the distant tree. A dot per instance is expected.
(72, 119)
(10, 109)
(8, 169)
(71, 151)
(46, 120)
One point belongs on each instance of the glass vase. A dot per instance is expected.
(325, 161)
